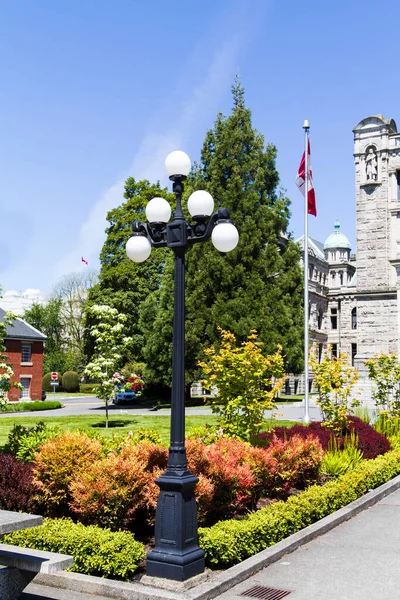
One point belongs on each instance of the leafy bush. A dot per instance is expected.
(147, 434)
(32, 406)
(246, 380)
(370, 442)
(230, 542)
(395, 441)
(89, 387)
(23, 442)
(17, 490)
(338, 461)
(335, 377)
(58, 461)
(112, 491)
(294, 463)
(384, 371)
(70, 382)
(96, 551)
(46, 383)
(229, 484)
(207, 434)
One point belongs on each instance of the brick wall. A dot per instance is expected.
(32, 371)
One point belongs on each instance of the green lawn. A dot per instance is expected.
(117, 424)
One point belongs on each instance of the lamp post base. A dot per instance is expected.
(176, 554)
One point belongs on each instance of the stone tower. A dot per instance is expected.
(377, 166)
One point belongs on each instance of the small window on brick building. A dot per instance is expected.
(320, 318)
(26, 353)
(333, 318)
(334, 350)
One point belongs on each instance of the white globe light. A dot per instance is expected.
(177, 163)
(138, 248)
(158, 210)
(225, 237)
(200, 203)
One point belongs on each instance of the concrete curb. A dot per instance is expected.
(221, 581)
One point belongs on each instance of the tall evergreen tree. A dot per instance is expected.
(124, 285)
(256, 286)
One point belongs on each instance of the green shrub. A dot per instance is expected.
(32, 406)
(70, 382)
(89, 387)
(23, 441)
(96, 551)
(46, 382)
(230, 542)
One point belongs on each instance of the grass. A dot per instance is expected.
(117, 425)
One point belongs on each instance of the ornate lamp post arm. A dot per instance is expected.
(176, 554)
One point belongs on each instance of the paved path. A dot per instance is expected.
(358, 560)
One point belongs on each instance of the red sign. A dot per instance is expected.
(54, 376)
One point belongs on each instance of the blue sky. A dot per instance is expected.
(95, 90)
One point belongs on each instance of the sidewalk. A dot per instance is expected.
(358, 560)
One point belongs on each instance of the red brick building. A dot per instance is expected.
(24, 348)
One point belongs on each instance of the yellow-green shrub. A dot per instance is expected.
(96, 551)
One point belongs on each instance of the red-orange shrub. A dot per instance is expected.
(111, 491)
(232, 475)
(120, 489)
(293, 463)
(57, 462)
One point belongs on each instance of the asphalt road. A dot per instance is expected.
(90, 405)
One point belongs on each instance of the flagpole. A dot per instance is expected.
(306, 418)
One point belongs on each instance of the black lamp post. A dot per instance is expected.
(176, 553)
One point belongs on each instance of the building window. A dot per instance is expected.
(353, 353)
(354, 318)
(341, 277)
(398, 184)
(333, 318)
(26, 353)
(320, 318)
(26, 385)
(334, 351)
(320, 348)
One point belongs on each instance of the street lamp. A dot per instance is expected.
(176, 553)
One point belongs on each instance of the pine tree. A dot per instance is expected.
(124, 285)
(259, 284)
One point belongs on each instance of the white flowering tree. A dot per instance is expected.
(6, 372)
(110, 343)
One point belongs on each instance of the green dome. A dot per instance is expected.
(337, 239)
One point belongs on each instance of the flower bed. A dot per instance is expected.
(230, 542)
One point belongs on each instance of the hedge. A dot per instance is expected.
(36, 405)
(89, 387)
(230, 542)
(96, 551)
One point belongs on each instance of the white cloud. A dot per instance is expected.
(148, 162)
(17, 302)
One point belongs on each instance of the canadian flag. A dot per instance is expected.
(301, 180)
(85, 261)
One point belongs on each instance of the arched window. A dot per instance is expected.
(354, 318)
(320, 318)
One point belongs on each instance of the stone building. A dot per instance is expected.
(354, 299)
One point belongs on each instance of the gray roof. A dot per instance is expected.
(21, 330)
